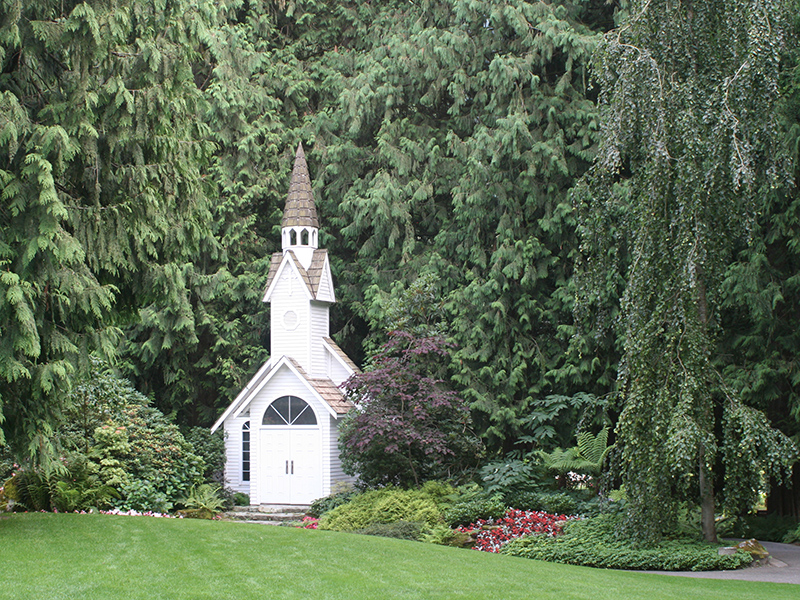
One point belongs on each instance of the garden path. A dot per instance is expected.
(786, 554)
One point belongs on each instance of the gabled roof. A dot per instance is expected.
(339, 354)
(244, 394)
(316, 273)
(328, 391)
(324, 389)
(300, 208)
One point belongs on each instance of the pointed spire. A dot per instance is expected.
(300, 209)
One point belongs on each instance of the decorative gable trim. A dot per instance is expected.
(321, 277)
(275, 274)
(323, 390)
(244, 395)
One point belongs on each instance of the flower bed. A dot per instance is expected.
(491, 535)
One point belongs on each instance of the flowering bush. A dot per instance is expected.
(309, 523)
(493, 535)
(597, 542)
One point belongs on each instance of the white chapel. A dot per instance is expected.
(281, 431)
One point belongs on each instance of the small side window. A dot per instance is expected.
(246, 451)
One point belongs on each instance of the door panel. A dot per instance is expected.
(291, 471)
(274, 481)
(306, 460)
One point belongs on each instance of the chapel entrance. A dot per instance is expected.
(291, 461)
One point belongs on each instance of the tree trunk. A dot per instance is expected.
(706, 479)
(707, 502)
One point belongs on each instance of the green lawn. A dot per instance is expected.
(47, 556)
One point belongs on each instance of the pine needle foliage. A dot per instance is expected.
(106, 156)
(453, 133)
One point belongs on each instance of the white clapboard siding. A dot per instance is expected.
(336, 371)
(320, 319)
(336, 473)
(233, 454)
(293, 341)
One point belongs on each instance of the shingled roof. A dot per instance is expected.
(311, 277)
(300, 209)
(340, 353)
(327, 389)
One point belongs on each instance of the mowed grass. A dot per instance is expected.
(47, 556)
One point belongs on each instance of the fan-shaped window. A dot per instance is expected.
(246, 451)
(289, 410)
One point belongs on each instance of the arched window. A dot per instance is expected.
(246, 451)
(292, 237)
(289, 410)
(304, 237)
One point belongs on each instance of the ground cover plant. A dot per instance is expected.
(598, 542)
(96, 557)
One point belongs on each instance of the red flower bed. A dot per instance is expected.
(492, 535)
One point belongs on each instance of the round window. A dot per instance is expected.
(290, 320)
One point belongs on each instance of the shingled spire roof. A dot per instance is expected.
(300, 209)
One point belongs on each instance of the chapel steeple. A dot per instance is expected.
(300, 226)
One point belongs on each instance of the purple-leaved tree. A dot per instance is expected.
(407, 427)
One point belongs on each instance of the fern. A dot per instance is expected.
(587, 457)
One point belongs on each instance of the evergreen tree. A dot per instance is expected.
(104, 200)
(689, 92)
(453, 134)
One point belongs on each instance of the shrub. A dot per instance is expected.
(143, 496)
(557, 503)
(30, 490)
(473, 509)
(509, 478)
(204, 497)
(444, 536)
(792, 537)
(386, 505)
(403, 530)
(211, 448)
(72, 487)
(7, 463)
(322, 505)
(80, 489)
(769, 528)
(595, 542)
(130, 445)
(240, 499)
(409, 428)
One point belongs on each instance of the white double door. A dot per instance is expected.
(290, 469)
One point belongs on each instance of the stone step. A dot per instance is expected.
(256, 516)
(265, 513)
